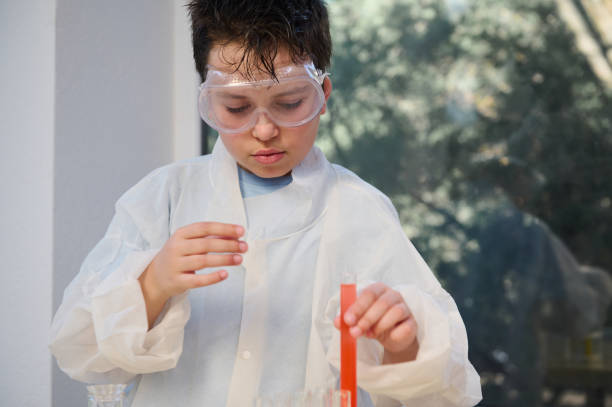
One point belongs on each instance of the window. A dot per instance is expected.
(489, 124)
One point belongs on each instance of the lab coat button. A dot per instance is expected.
(246, 355)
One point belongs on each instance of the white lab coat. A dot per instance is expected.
(268, 327)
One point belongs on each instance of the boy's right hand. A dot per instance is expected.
(190, 248)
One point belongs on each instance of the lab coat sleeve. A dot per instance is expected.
(441, 375)
(100, 331)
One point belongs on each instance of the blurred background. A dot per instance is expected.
(487, 122)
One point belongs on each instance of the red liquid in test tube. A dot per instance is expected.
(348, 344)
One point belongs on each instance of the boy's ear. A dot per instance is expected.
(327, 88)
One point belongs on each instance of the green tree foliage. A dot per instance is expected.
(491, 134)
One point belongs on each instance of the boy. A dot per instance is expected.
(273, 225)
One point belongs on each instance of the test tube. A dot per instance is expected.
(348, 344)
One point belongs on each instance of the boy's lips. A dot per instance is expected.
(268, 156)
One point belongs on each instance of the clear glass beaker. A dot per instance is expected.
(106, 395)
(314, 398)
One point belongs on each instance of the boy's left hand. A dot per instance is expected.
(381, 313)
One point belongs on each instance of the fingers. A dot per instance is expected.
(212, 245)
(200, 261)
(365, 300)
(391, 319)
(405, 332)
(378, 311)
(202, 280)
(203, 229)
(395, 316)
(401, 342)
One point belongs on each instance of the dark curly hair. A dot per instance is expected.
(261, 27)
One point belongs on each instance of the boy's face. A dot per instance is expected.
(267, 149)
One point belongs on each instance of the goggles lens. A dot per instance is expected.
(233, 106)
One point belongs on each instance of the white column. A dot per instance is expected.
(94, 95)
(27, 42)
(114, 124)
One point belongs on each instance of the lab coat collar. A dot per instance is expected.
(307, 194)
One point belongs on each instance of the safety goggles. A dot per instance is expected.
(230, 104)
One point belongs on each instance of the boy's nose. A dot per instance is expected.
(265, 129)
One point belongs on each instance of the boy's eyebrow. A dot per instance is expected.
(231, 95)
(292, 91)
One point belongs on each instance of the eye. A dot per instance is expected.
(291, 106)
(237, 110)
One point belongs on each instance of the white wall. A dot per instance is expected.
(26, 181)
(94, 95)
(186, 80)
(114, 124)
